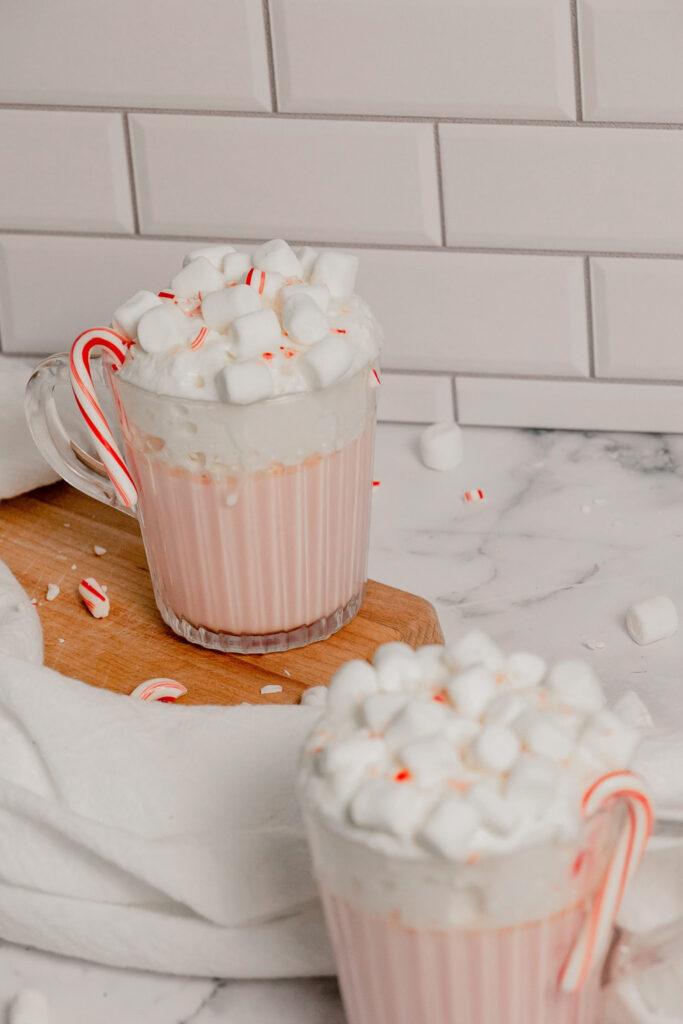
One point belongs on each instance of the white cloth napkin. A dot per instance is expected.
(22, 467)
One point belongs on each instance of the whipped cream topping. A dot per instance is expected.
(454, 753)
(240, 328)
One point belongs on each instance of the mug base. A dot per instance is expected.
(264, 643)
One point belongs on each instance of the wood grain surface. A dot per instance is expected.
(44, 534)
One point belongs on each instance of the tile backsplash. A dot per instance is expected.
(509, 171)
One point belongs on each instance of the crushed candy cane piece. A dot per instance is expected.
(586, 509)
(471, 496)
(99, 550)
(74, 566)
(593, 645)
(52, 592)
(271, 688)
(164, 690)
(94, 598)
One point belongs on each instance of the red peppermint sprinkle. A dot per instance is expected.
(403, 776)
(376, 376)
(338, 330)
(267, 355)
(376, 483)
(166, 295)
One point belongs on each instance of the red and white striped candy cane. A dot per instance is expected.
(166, 690)
(199, 338)
(596, 932)
(86, 399)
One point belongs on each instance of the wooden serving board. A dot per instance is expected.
(45, 533)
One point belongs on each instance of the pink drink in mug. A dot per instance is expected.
(254, 505)
(473, 827)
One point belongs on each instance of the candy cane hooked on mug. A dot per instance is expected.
(596, 932)
(86, 399)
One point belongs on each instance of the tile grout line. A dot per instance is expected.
(535, 122)
(576, 59)
(590, 323)
(131, 175)
(268, 26)
(379, 246)
(454, 396)
(439, 182)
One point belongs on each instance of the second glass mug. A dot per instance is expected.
(255, 518)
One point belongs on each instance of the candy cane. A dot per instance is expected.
(165, 690)
(199, 339)
(596, 932)
(87, 401)
(94, 597)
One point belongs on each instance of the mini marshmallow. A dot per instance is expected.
(609, 738)
(496, 748)
(234, 266)
(633, 711)
(432, 760)
(504, 708)
(314, 696)
(531, 784)
(220, 308)
(244, 383)
(497, 812)
(316, 292)
(433, 670)
(306, 257)
(449, 829)
(29, 1007)
(460, 730)
(653, 619)
(524, 670)
(127, 317)
(327, 360)
(541, 736)
(416, 720)
(267, 284)
(162, 328)
(441, 446)
(394, 807)
(338, 271)
(199, 275)
(576, 686)
(472, 690)
(397, 666)
(474, 648)
(277, 256)
(351, 684)
(361, 751)
(215, 254)
(303, 320)
(254, 333)
(380, 708)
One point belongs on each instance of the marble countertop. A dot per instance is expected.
(574, 527)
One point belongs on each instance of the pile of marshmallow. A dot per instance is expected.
(243, 327)
(460, 750)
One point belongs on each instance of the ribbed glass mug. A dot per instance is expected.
(255, 518)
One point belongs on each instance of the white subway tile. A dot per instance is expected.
(502, 58)
(52, 288)
(478, 312)
(254, 178)
(569, 405)
(64, 171)
(638, 318)
(415, 398)
(631, 60)
(604, 189)
(207, 54)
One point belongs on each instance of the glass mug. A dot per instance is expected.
(494, 940)
(255, 518)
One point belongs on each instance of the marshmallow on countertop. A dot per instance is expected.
(252, 334)
(220, 308)
(652, 619)
(200, 275)
(127, 317)
(215, 254)
(441, 446)
(276, 255)
(303, 320)
(338, 271)
(327, 360)
(162, 328)
(247, 382)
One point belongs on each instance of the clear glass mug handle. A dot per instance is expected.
(107, 479)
